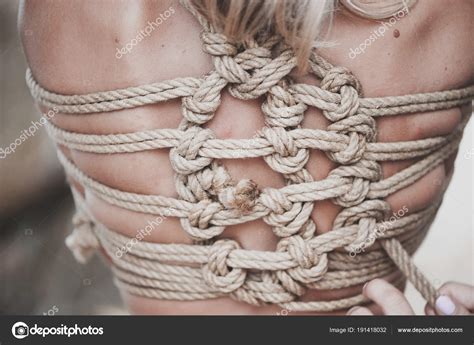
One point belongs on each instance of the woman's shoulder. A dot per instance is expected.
(90, 46)
(426, 48)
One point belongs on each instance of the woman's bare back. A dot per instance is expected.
(71, 47)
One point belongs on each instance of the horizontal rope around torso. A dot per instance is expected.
(209, 199)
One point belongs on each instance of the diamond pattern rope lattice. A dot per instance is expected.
(209, 200)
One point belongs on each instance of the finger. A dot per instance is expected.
(462, 293)
(429, 310)
(375, 309)
(357, 311)
(446, 305)
(389, 298)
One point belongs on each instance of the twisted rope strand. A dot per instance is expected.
(209, 199)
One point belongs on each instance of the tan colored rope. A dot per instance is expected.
(259, 146)
(184, 87)
(209, 199)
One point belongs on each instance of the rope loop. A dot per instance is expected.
(209, 199)
(197, 224)
(217, 273)
(366, 215)
(185, 157)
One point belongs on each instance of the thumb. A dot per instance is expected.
(446, 305)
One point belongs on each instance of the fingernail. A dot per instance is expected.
(364, 287)
(353, 309)
(445, 305)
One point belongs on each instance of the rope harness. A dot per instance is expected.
(209, 199)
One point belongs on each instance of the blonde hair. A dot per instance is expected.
(301, 23)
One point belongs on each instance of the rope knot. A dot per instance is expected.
(342, 81)
(281, 108)
(287, 217)
(337, 77)
(264, 76)
(352, 153)
(365, 215)
(185, 157)
(311, 266)
(275, 200)
(199, 218)
(288, 158)
(301, 252)
(216, 44)
(217, 273)
(227, 65)
(82, 241)
(360, 175)
(232, 66)
(360, 130)
(281, 140)
(202, 105)
(242, 196)
(199, 111)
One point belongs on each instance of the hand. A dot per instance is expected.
(454, 299)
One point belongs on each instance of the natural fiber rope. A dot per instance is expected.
(209, 200)
(182, 87)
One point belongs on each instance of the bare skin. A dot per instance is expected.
(71, 47)
(455, 299)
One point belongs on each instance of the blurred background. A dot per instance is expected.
(38, 274)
